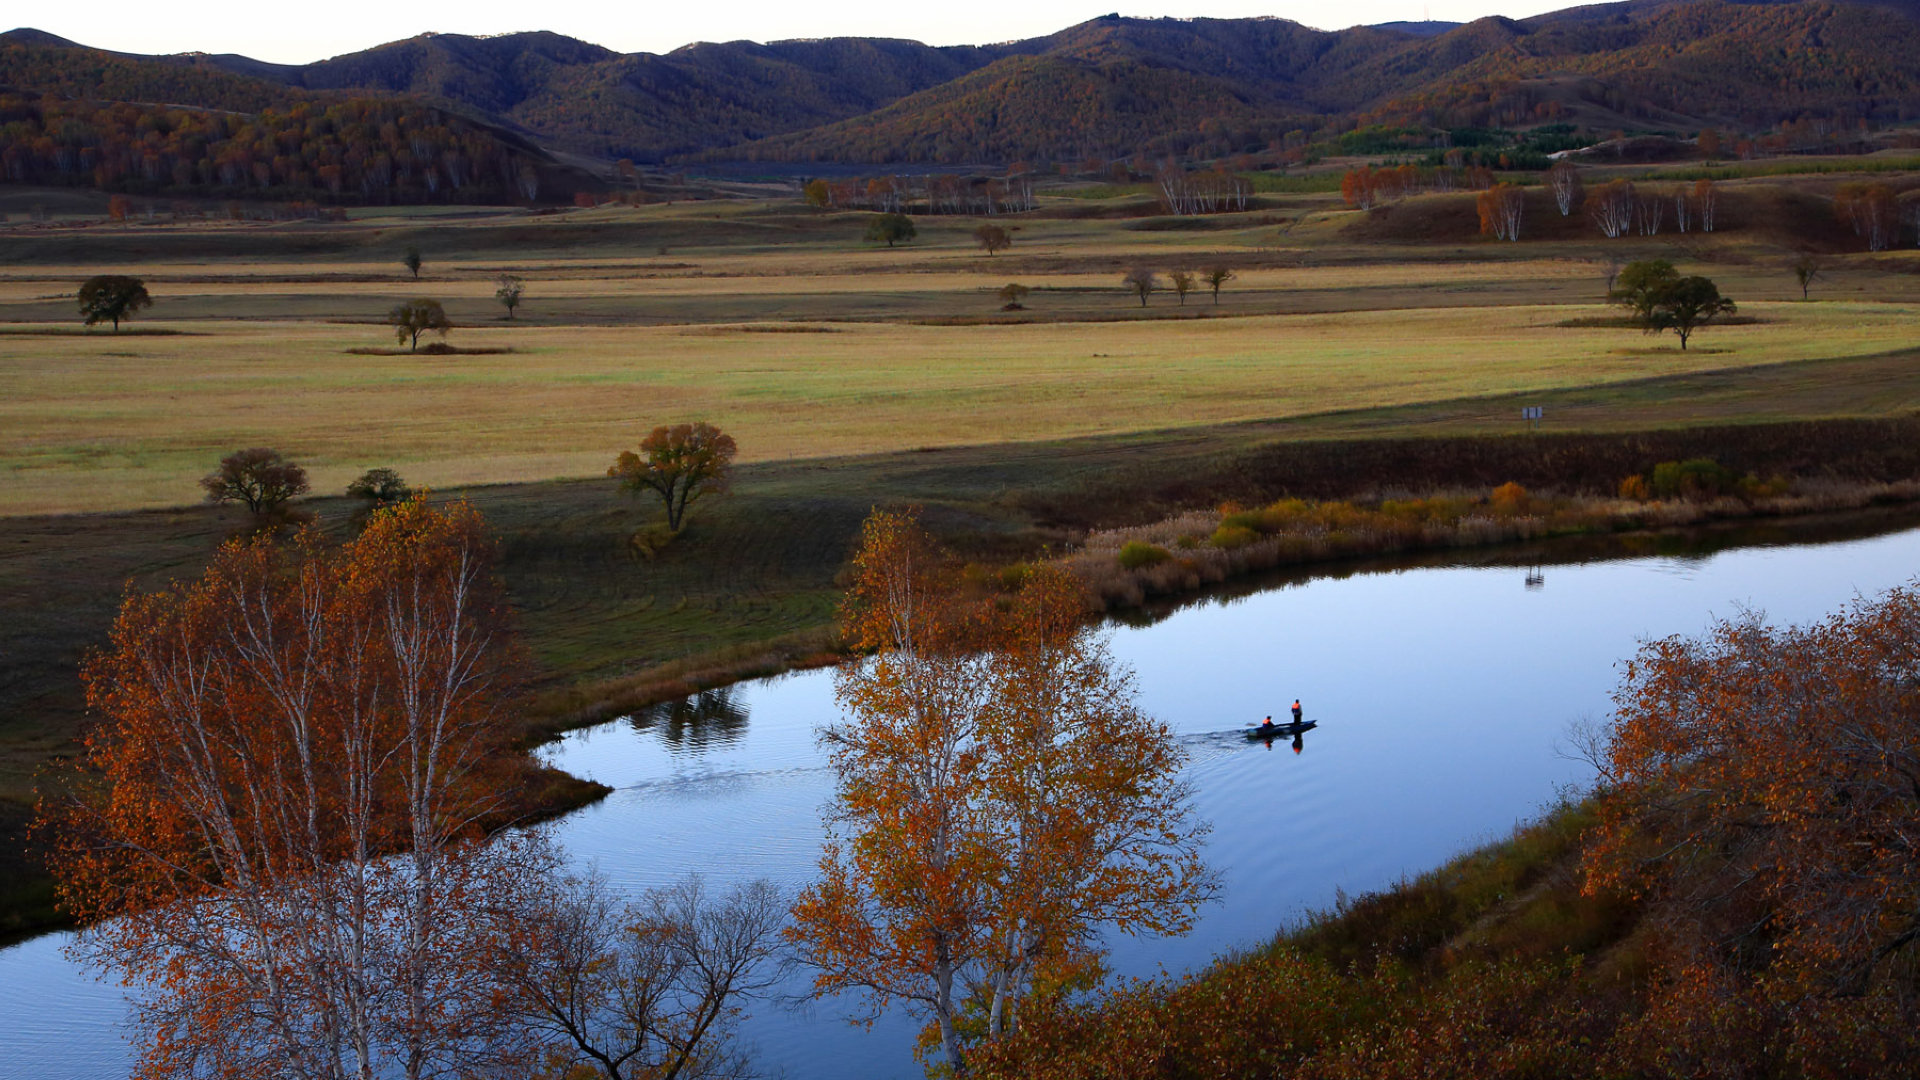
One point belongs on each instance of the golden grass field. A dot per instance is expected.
(97, 422)
(787, 331)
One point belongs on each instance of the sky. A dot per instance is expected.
(303, 33)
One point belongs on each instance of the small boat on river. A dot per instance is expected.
(1280, 731)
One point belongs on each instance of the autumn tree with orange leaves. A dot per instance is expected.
(1764, 785)
(681, 464)
(274, 835)
(1001, 801)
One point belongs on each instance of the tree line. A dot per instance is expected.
(357, 150)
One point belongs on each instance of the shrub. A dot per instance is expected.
(1692, 479)
(1635, 487)
(1227, 537)
(1510, 498)
(1138, 554)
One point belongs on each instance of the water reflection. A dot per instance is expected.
(708, 720)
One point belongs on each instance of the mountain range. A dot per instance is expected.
(1107, 88)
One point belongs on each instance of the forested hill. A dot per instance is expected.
(1108, 88)
(75, 116)
(1210, 88)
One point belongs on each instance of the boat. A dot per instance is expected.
(1280, 731)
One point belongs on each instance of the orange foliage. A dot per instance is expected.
(1000, 799)
(269, 737)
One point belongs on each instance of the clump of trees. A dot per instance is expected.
(276, 837)
(415, 317)
(1619, 208)
(1661, 299)
(261, 478)
(112, 297)
(1872, 211)
(891, 228)
(1501, 208)
(1001, 801)
(377, 489)
(681, 464)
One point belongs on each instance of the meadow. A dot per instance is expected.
(852, 376)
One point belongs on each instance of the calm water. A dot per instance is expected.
(1441, 691)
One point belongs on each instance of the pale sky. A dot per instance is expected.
(300, 33)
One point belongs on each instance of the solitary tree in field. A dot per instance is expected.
(1011, 295)
(1141, 282)
(1183, 283)
(1688, 305)
(892, 228)
(112, 297)
(379, 488)
(1639, 285)
(1806, 269)
(992, 238)
(416, 317)
(411, 260)
(1001, 801)
(1217, 276)
(680, 464)
(509, 292)
(261, 478)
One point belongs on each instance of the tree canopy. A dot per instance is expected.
(112, 297)
(1661, 299)
(260, 477)
(416, 317)
(890, 227)
(681, 464)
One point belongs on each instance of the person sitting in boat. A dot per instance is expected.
(1296, 710)
(1267, 724)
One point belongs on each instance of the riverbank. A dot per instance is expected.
(750, 588)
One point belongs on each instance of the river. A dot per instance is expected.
(1443, 687)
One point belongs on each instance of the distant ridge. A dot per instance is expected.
(1106, 88)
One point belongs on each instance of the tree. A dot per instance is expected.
(681, 464)
(1001, 801)
(992, 238)
(817, 193)
(416, 317)
(1687, 305)
(1141, 282)
(112, 297)
(1639, 285)
(509, 293)
(275, 833)
(1806, 270)
(1183, 283)
(1709, 142)
(1706, 202)
(378, 489)
(1011, 295)
(259, 477)
(1501, 207)
(1776, 767)
(1611, 206)
(648, 989)
(1563, 179)
(891, 227)
(1872, 211)
(411, 260)
(1215, 277)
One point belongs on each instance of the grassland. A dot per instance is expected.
(851, 375)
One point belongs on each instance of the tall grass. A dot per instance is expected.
(1204, 548)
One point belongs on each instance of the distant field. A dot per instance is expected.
(91, 422)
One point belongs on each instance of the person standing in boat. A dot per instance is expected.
(1296, 710)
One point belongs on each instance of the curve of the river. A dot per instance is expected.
(1442, 691)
